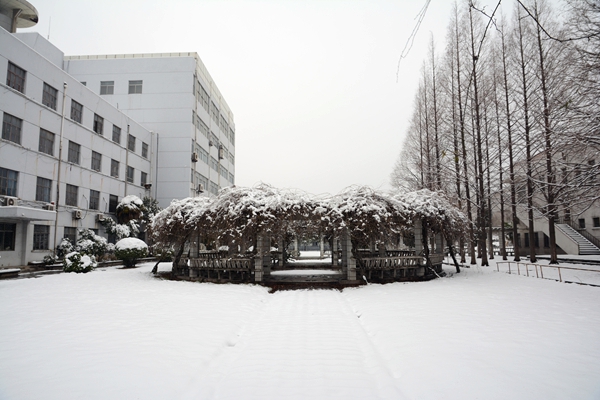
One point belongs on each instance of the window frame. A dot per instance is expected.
(96, 161)
(71, 195)
(74, 153)
(113, 202)
(14, 79)
(72, 236)
(8, 233)
(43, 189)
(41, 237)
(46, 142)
(130, 173)
(98, 124)
(107, 87)
(116, 133)
(114, 168)
(94, 199)
(131, 142)
(76, 111)
(145, 150)
(11, 128)
(135, 87)
(143, 178)
(9, 182)
(49, 96)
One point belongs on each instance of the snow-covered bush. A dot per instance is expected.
(129, 208)
(65, 247)
(130, 250)
(77, 262)
(91, 244)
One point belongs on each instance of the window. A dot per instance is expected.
(49, 96)
(144, 150)
(536, 240)
(596, 222)
(46, 142)
(96, 161)
(41, 236)
(114, 168)
(76, 111)
(107, 87)
(135, 87)
(526, 239)
(546, 241)
(98, 124)
(231, 158)
(8, 182)
(74, 152)
(581, 223)
(131, 142)
(204, 99)
(11, 128)
(112, 203)
(71, 197)
(15, 77)
(83, 83)
(231, 178)
(116, 134)
(70, 233)
(214, 112)
(94, 199)
(144, 179)
(232, 136)
(130, 173)
(8, 232)
(202, 180)
(214, 164)
(214, 188)
(202, 126)
(43, 189)
(203, 154)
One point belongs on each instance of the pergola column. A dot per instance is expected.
(258, 260)
(439, 244)
(281, 251)
(334, 249)
(418, 229)
(321, 246)
(348, 260)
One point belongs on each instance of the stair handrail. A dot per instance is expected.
(594, 240)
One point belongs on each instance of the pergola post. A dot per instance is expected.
(418, 229)
(321, 246)
(280, 247)
(348, 260)
(295, 246)
(258, 260)
(334, 249)
(439, 244)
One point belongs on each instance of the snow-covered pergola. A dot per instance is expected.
(242, 225)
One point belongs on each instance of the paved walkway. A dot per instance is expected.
(305, 342)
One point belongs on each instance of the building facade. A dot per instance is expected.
(172, 94)
(67, 155)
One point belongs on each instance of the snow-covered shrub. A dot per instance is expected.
(77, 262)
(91, 244)
(129, 208)
(130, 250)
(49, 259)
(65, 247)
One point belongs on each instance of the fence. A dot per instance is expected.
(553, 272)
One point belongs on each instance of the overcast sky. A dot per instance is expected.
(312, 83)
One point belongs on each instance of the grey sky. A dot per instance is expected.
(312, 84)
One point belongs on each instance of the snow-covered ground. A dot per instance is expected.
(122, 334)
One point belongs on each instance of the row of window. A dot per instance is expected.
(43, 190)
(108, 87)
(41, 236)
(204, 129)
(11, 125)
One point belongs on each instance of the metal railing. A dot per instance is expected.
(538, 269)
(594, 240)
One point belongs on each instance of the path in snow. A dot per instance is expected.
(310, 344)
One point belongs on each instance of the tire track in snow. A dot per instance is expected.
(304, 344)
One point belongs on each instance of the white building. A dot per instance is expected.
(57, 132)
(172, 94)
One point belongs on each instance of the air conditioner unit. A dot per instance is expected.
(49, 207)
(8, 201)
(200, 188)
(210, 143)
(77, 214)
(100, 218)
(194, 157)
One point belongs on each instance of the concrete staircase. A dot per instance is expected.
(567, 238)
(585, 246)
